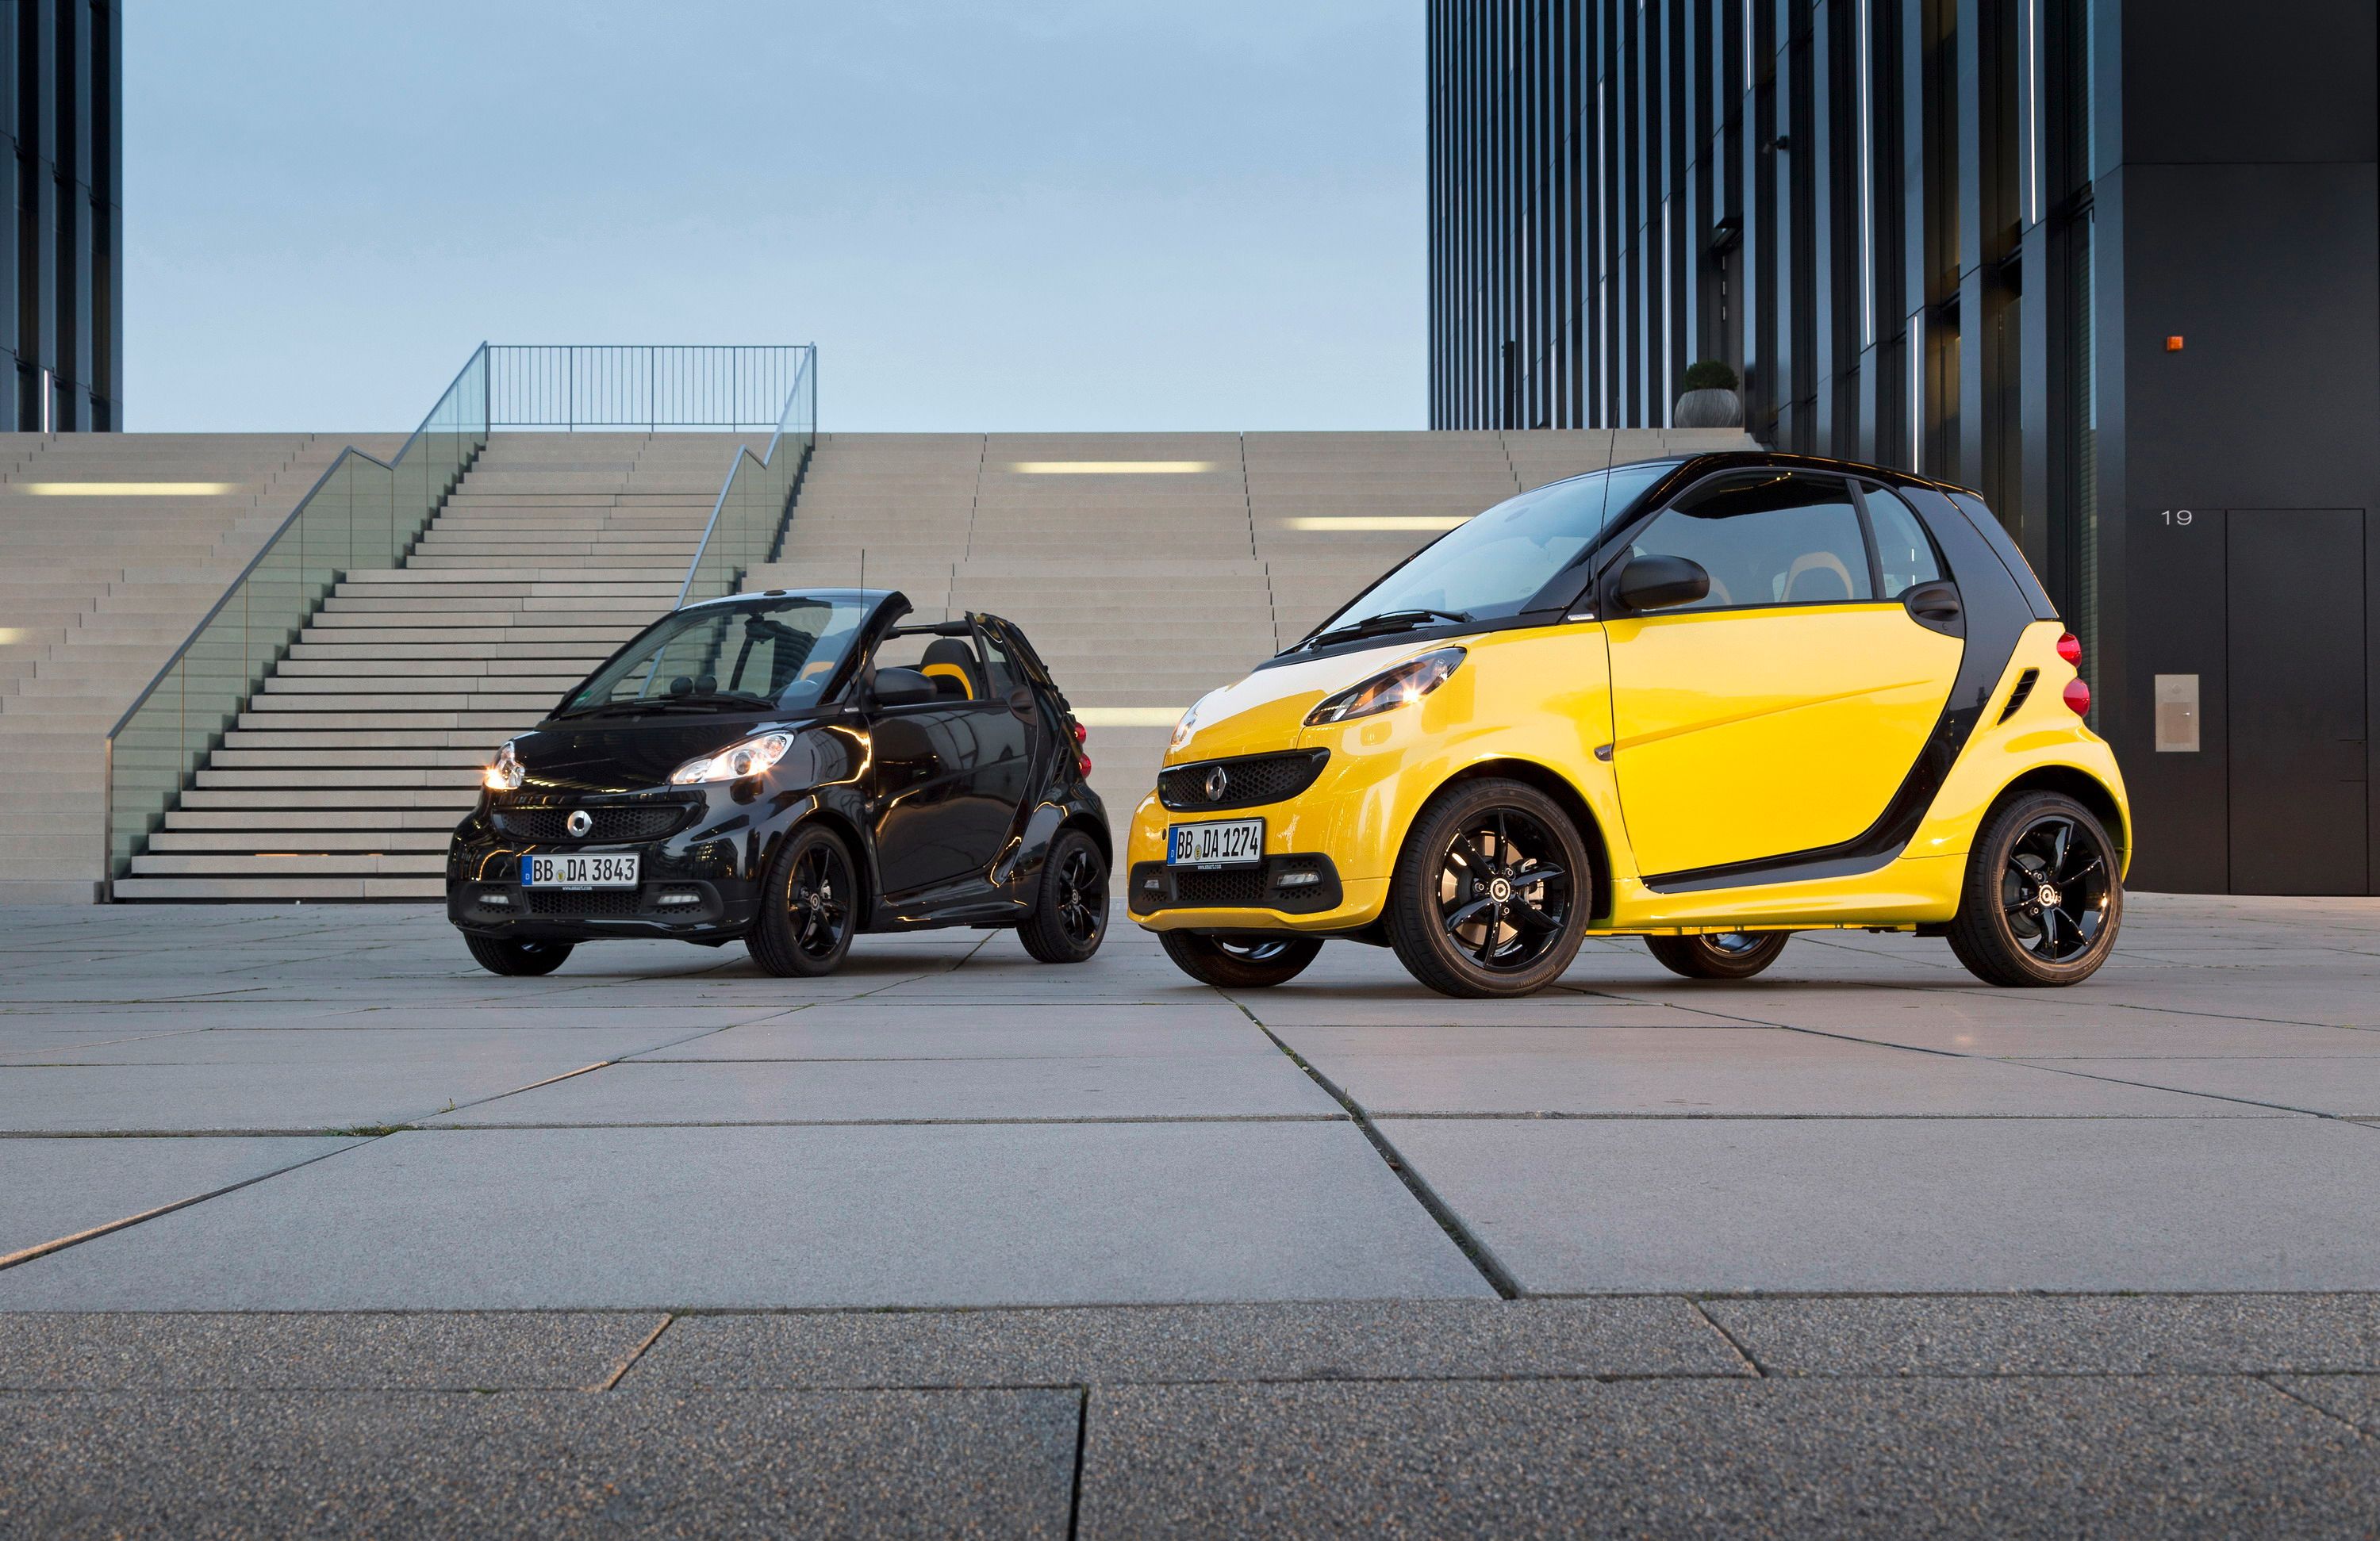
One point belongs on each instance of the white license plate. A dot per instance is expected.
(578, 871)
(1225, 842)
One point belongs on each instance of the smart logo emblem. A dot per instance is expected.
(579, 823)
(1219, 782)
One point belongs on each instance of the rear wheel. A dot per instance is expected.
(1721, 956)
(1070, 912)
(2042, 900)
(1490, 895)
(809, 907)
(499, 956)
(1239, 962)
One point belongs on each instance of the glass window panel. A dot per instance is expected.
(1774, 541)
(1903, 549)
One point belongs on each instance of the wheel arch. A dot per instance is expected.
(1101, 836)
(2085, 788)
(863, 854)
(1566, 797)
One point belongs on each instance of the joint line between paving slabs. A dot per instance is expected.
(1729, 1339)
(1082, 1438)
(636, 1354)
(1491, 1268)
(2359, 1430)
(43, 1249)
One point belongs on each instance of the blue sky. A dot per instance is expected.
(1020, 214)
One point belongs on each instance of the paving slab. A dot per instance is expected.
(348, 1350)
(2245, 1334)
(62, 1187)
(1353, 1341)
(904, 1215)
(538, 1464)
(1587, 1206)
(278, 1081)
(1684, 1072)
(2355, 1397)
(852, 1030)
(1248, 1081)
(2152, 1456)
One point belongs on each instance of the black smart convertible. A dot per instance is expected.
(790, 769)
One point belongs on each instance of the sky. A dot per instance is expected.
(1009, 214)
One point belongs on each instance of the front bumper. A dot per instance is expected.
(699, 882)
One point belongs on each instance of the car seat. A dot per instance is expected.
(950, 664)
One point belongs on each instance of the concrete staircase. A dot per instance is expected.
(344, 777)
(104, 571)
(1148, 568)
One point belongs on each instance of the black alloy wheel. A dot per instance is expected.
(1489, 895)
(1718, 954)
(1070, 912)
(498, 955)
(1243, 961)
(2042, 900)
(808, 910)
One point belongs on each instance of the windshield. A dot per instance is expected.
(1494, 563)
(758, 653)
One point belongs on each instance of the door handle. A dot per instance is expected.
(1020, 701)
(1936, 607)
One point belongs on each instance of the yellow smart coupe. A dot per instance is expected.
(1708, 701)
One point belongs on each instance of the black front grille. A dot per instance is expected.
(1231, 887)
(1248, 781)
(612, 903)
(614, 822)
(1155, 886)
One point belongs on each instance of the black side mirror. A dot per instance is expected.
(1658, 582)
(897, 688)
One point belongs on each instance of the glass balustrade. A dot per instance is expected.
(749, 517)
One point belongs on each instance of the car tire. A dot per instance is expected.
(1070, 904)
(1247, 962)
(809, 907)
(2042, 901)
(1727, 955)
(519, 959)
(1499, 858)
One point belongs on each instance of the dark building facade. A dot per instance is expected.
(2115, 263)
(62, 305)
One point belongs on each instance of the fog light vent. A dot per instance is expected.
(1299, 879)
(678, 898)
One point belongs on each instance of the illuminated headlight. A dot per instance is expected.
(736, 761)
(504, 773)
(1409, 680)
(1185, 728)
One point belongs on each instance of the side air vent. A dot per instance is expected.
(2017, 698)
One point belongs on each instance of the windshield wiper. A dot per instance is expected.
(1383, 624)
(640, 706)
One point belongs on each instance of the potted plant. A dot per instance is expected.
(1710, 400)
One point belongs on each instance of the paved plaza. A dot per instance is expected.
(307, 1224)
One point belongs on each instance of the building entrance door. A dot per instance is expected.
(2296, 651)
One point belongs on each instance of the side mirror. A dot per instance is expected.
(1659, 582)
(897, 688)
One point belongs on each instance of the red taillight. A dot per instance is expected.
(2070, 647)
(2078, 697)
(1083, 765)
(1082, 734)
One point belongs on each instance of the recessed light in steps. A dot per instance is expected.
(1377, 521)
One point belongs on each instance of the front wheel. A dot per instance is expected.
(1721, 956)
(516, 958)
(1241, 962)
(2042, 899)
(1490, 893)
(1070, 910)
(809, 907)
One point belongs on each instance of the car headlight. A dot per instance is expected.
(1188, 725)
(504, 773)
(736, 761)
(1409, 680)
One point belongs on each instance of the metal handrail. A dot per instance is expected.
(640, 386)
(803, 392)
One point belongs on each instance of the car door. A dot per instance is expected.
(1777, 714)
(941, 768)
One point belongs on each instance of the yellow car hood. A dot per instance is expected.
(1266, 710)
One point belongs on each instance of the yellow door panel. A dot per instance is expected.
(1741, 735)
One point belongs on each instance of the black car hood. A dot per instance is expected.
(628, 755)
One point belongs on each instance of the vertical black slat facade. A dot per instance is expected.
(62, 255)
(1956, 234)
